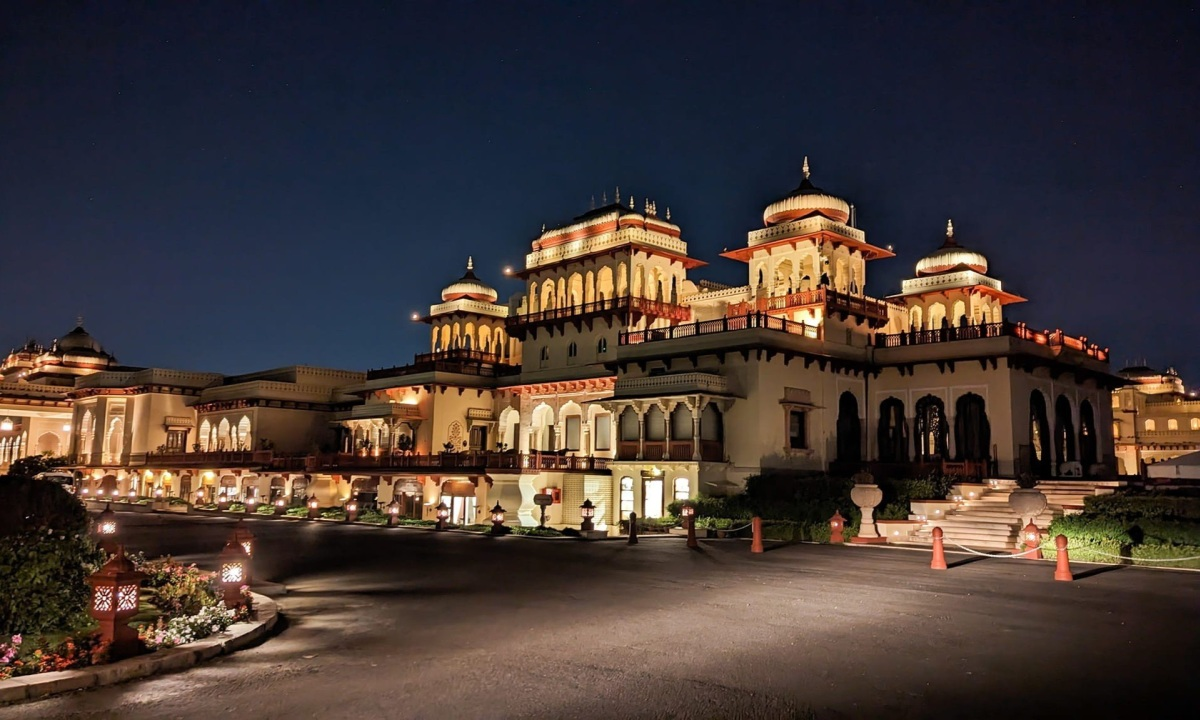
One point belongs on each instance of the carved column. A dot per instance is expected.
(641, 453)
(695, 429)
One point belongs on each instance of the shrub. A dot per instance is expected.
(373, 517)
(296, 511)
(333, 514)
(176, 501)
(177, 589)
(536, 531)
(45, 558)
(477, 527)
(416, 522)
(1144, 505)
(18, 658)
(184, 629)
(237, 507)
(266, 509)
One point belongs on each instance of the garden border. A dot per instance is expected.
(238, 636)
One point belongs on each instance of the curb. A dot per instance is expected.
(238, 636)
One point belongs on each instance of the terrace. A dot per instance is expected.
(632, 306)
(1056, 339)
(459, 361)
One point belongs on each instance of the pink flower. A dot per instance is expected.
(16, 639)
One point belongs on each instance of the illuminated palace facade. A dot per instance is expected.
(614, 375)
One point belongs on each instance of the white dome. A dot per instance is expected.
(805, 200)
(469, 287)
(951, 256)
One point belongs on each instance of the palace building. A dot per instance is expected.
(1154, 418)
(616, 375)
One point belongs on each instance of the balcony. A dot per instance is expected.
(632, 306)
(672, 384)
(478, 462)
(834, 302)
(221, 458)
(721, 325)
(674, 451)
(1053, 339)
(460, 361)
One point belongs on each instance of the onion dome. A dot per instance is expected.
(805, 200)
(469, 287)
(79, 342)
(951, 257)
(1137, 371)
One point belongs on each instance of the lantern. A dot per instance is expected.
(280, 506)
(235, 573)
(158, 493)
(497, 520)
(836, 524)
(251, 504)
(133, 495)
(115, 590)
(351, 511)
(443, 513)
(84, 491)
(242, 536)
(1032, 539)
(106, 528)
(313, 509)
(587, 511)
(200, 496)
(688, 511)
(393, 512)
(222, 501)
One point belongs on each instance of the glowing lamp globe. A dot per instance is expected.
(242, 536)
(687, 511)
(498, 514)
(158, 492)
(106, 526)
(587, 511)
(443, 514)
(393, 512)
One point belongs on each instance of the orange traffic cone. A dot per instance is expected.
(1062, 564)
(939, 552)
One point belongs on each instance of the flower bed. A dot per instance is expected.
(18, 658)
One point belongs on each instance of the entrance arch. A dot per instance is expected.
(1039, 435)
(972, 432)
(1087, 437)
(849, 429)
(1064, 431)
(893, 431)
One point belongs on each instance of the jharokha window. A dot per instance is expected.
(798, 430)
(797, 403)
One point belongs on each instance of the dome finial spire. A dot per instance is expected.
(949, 228)
(470, 263)
(79, 320)
(805, 168)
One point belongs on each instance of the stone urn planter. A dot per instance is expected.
(866, 495)
(1027, 503)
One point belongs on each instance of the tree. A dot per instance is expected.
(28, 467)
(45, 557)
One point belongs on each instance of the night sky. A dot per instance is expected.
(236, 186)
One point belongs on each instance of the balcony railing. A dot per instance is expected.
(477, 461)
(461, 361)
(832, 300)
(676, 450)
(217, 458)
(1052, 339)
(721, 325)
(625, 303)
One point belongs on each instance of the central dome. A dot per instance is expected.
(469, 287)
(950, 257)
(805, 200)
(79, 340)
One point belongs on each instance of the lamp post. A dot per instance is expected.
(222, 501)
(443, 513)
(235, 573)
(498, 520)
(313, 509)
(836, 524)
(115, 589)
(393, 512)
(588, 511)
(351, 511)
(242, 536)
(106, 528)
(280, 506)
(688, 511)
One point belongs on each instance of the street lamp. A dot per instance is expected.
(235, 573)
(242, 536)
(688, 512)
(251, 504)
(497, 520)
(115, 590)
(351, 511)
(443, 513)
(588, 511)
(393, 512)
(313, 508)
(280, 506)
(106, 528)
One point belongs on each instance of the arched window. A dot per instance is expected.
(681, 424)
(683, 489)
(1172, 424)
(849, 429)
(1149, 425)
(1087, 436)
(243, 434)
(893, 431)
(972, 432)
(545, 356)
(223, 438)
(572, 350)
(656, 424)
(1196, 423)
(1039, 435)
(931, 428)
(601, 346)
(1064, 431)
(626, 497)
(205, 433)
(629, 425)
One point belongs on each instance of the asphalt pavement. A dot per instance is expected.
(394, 623)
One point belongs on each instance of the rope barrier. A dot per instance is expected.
(1133, 559)
(995, 555)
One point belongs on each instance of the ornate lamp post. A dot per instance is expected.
(393, 512)
(222, 501)
(235, 573)
(106, 528)
(498, 520)
(251, 504)
(588, 511)
(443, 513)
(280, 506)
(313, 509)
(688, 512)
(242, 536)
(351, 511)
(115, 590)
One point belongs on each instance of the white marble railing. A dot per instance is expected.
(474, 306)
(586, 246)
(963, 278)
(803, 227)
(673, 382)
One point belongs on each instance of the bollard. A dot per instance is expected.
(756, 545)
(1062, 566)
(691, 533)
(1032, 538)
(939, 551)
(836, 523)
(633, 528)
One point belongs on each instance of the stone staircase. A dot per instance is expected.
(982, 520)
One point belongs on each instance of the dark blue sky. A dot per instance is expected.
(235, 186)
